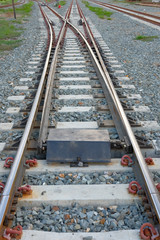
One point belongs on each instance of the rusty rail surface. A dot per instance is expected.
(17, 171)
(155, 19)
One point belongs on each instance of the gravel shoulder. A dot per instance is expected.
(139, 59)
(14, 63)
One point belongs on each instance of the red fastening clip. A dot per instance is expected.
(32, 162)
(134, 187)
(125, 160)
(8, 162)
(1, 187)
(16, 232)
(25, 189)
(149, 161)
(148, 232)
(158, 187)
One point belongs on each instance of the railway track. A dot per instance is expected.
(10, 5)
(136, 14)
(78, 104)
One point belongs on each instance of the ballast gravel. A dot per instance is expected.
(14, 63)
(80, 117)
(81, 219)
(139, 59)
(65, 178)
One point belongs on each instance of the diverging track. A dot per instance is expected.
(78, 115)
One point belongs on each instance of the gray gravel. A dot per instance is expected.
(81, 219)
(81, 117)
(140, 59)
(81, 102)
(13, 66)
(64, 178)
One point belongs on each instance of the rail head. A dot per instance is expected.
(17, 170)
(152, 192)
(150, 187)
(47, 101)
(149, 184)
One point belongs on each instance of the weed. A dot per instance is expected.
(8, 30)
(145, 38)
(100, 12)
(62, 3)
(18, 21)
(23, 10)
(6, 2)
(6, 45)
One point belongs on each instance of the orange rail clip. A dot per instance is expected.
(148, 232)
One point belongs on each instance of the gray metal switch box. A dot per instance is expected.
(68, 145)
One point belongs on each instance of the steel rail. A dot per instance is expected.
(10, 5)
(115, 114)
(152, 192)
(149, 184)
(143, 13)
(48, 94)
(14, 179)
(129, 12)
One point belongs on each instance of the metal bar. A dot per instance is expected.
(149, 184)
(142, 13)
(48, 95)
(115, 114)
(16, 170)
(129, 13)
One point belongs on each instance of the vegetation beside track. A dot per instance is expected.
(6, 2)
(62, 3)
(126, 1)
(9, 27)
(145, 38)
(100, 12)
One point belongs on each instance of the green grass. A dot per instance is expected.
(23, 10)
(100, 12)
(145, 38)
(18, 21)
(6, 2)
(9, 33)
(7, 45)
(62, 3)
(127, 2)
(8, 30)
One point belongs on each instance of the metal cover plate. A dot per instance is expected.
(88, 145)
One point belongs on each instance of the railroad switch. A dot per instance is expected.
(119, 144)
(78, 146)
(79, 163)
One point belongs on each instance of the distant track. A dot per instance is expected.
(137, 14)
(10, 5)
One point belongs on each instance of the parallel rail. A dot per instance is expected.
(10, 5)
(48, 94)
(137, 14)
(119, 113)
(149, 185)
(16, 174)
